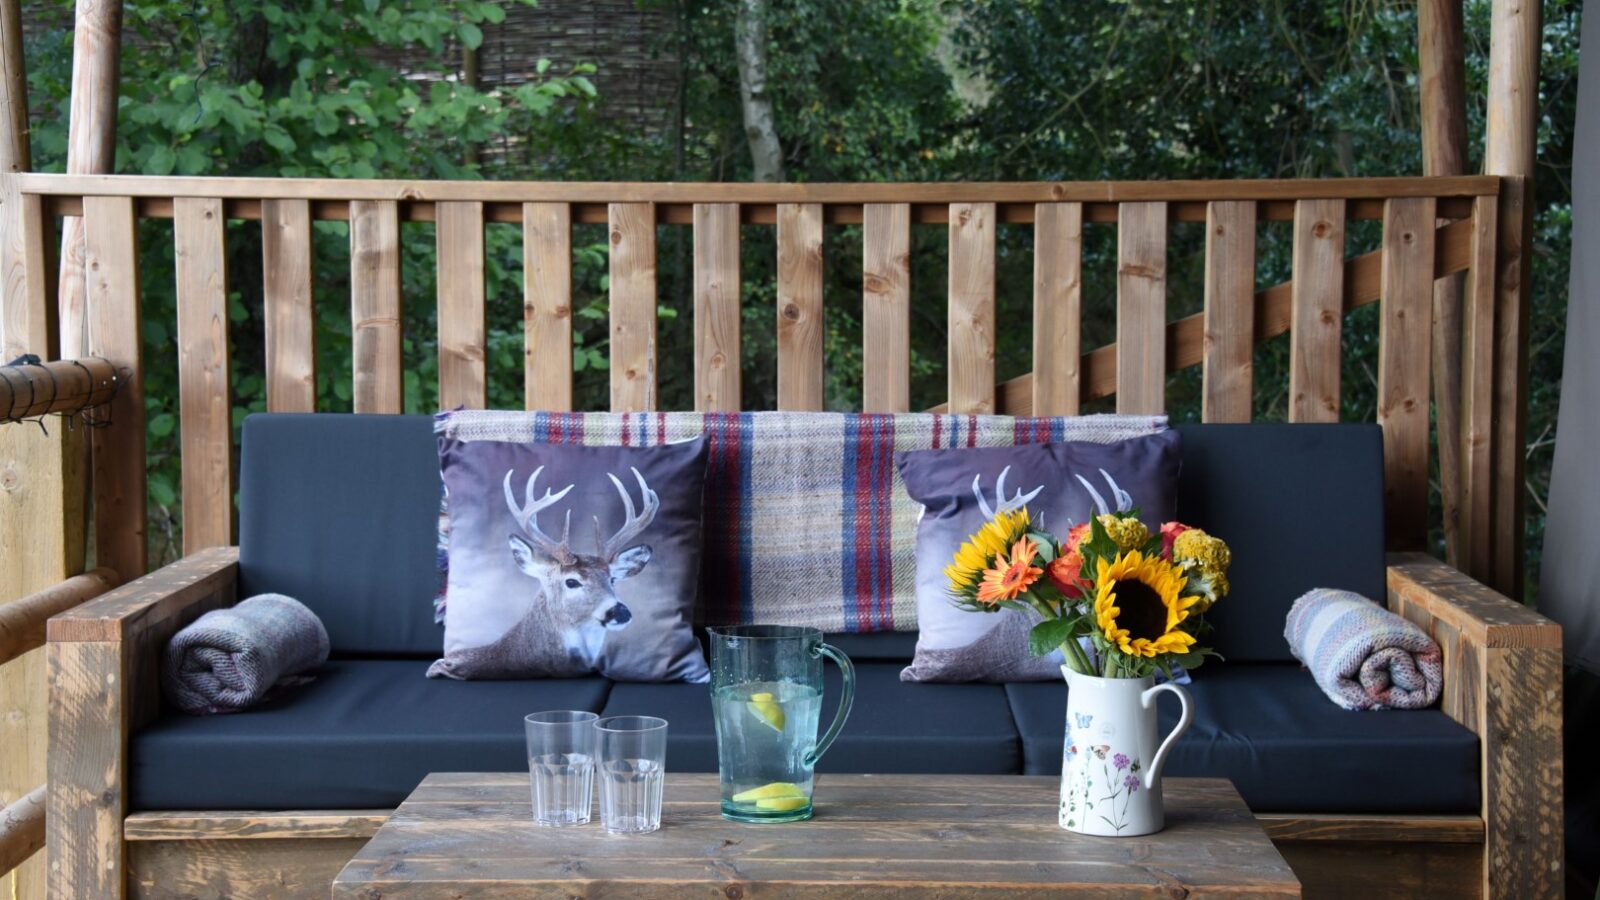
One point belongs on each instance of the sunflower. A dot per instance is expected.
(982, 548)
(1138, 605)
(1010, 576)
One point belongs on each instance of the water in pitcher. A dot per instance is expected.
(765, 729)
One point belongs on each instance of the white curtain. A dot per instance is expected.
(1569, 589)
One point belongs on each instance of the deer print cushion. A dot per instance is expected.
(1061, 484)
(566, 561)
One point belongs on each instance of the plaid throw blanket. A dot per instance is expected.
(805, 519)
(229, 659)
(1362, 655)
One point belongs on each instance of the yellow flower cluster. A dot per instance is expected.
(1210, 555)
(1128, 533)
(978, 554)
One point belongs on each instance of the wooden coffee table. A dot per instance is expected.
(873, 835)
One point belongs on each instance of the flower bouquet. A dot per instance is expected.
(1117, 600)
(1121, 604)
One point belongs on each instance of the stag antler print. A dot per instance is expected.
(1123, 498)
(527, 515)
(1002, 504)
(635, 522)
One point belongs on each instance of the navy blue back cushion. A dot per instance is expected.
(341, 512)
(1301, 506)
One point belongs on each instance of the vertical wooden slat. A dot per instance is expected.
(716, 308)
(1477, 395)
(547, 306)
(800, 315)
(886, 307)
(375, 305)
(1229, 344)
(204, 391)
(290, 305)
(1404, 341)
(1316, 311)
(633, 306)
(111, 268)
(1513, 247)
(1141, 307)
(1057, 307)
(971, 312)
(463, 380)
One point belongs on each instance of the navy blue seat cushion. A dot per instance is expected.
(361, 736)
(1301, 506)
(1286, 746)
(341, 512)
(894, 726)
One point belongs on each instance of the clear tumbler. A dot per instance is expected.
(561, 756)
(633, 768)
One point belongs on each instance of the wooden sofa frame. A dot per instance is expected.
(1502, 676)
(1502, 661)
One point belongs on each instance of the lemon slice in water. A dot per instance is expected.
(766, 707)
(778, 790)
(782, 804)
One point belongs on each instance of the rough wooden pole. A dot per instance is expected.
(91, 146)
(1514, 43)
(41, 487)
(1444, 152)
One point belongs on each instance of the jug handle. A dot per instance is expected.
(1147, 700)
(848, 670)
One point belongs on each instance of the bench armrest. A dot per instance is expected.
(1502, 679)
(104, 664)
(1426, 590)
(169, 593)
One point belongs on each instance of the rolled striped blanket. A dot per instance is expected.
(1362, 655)
(229, 659)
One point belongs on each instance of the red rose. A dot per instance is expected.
(1063, 572)
(1169, 536)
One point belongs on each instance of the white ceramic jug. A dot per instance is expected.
(1111, 768)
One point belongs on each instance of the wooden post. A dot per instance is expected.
(41, 474)
(91, 147)
(1514, 43)
(1444, 152)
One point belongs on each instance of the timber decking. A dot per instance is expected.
(897, 836)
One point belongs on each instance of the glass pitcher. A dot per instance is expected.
(766, 698)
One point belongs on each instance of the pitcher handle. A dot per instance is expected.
(1146, 700)
(848, 670)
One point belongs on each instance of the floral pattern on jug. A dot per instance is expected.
(1119, 780)
(1112, 760)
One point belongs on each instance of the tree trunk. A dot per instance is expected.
(750, 37)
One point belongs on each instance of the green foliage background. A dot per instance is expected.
(864, 90)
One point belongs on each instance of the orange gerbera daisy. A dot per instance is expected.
(1011, 575)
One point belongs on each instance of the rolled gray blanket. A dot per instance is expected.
(1362, 655)
(229, 659)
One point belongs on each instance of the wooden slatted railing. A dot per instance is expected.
(1237, 313)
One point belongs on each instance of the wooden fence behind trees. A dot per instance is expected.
(1431, 227)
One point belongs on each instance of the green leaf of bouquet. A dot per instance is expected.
(1047, 545)
(1048, 635)
(1099, 544)
(1152, 547)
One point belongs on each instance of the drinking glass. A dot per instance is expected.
(561, 765)
(633, 768)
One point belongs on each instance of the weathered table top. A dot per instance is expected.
(873, 835)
